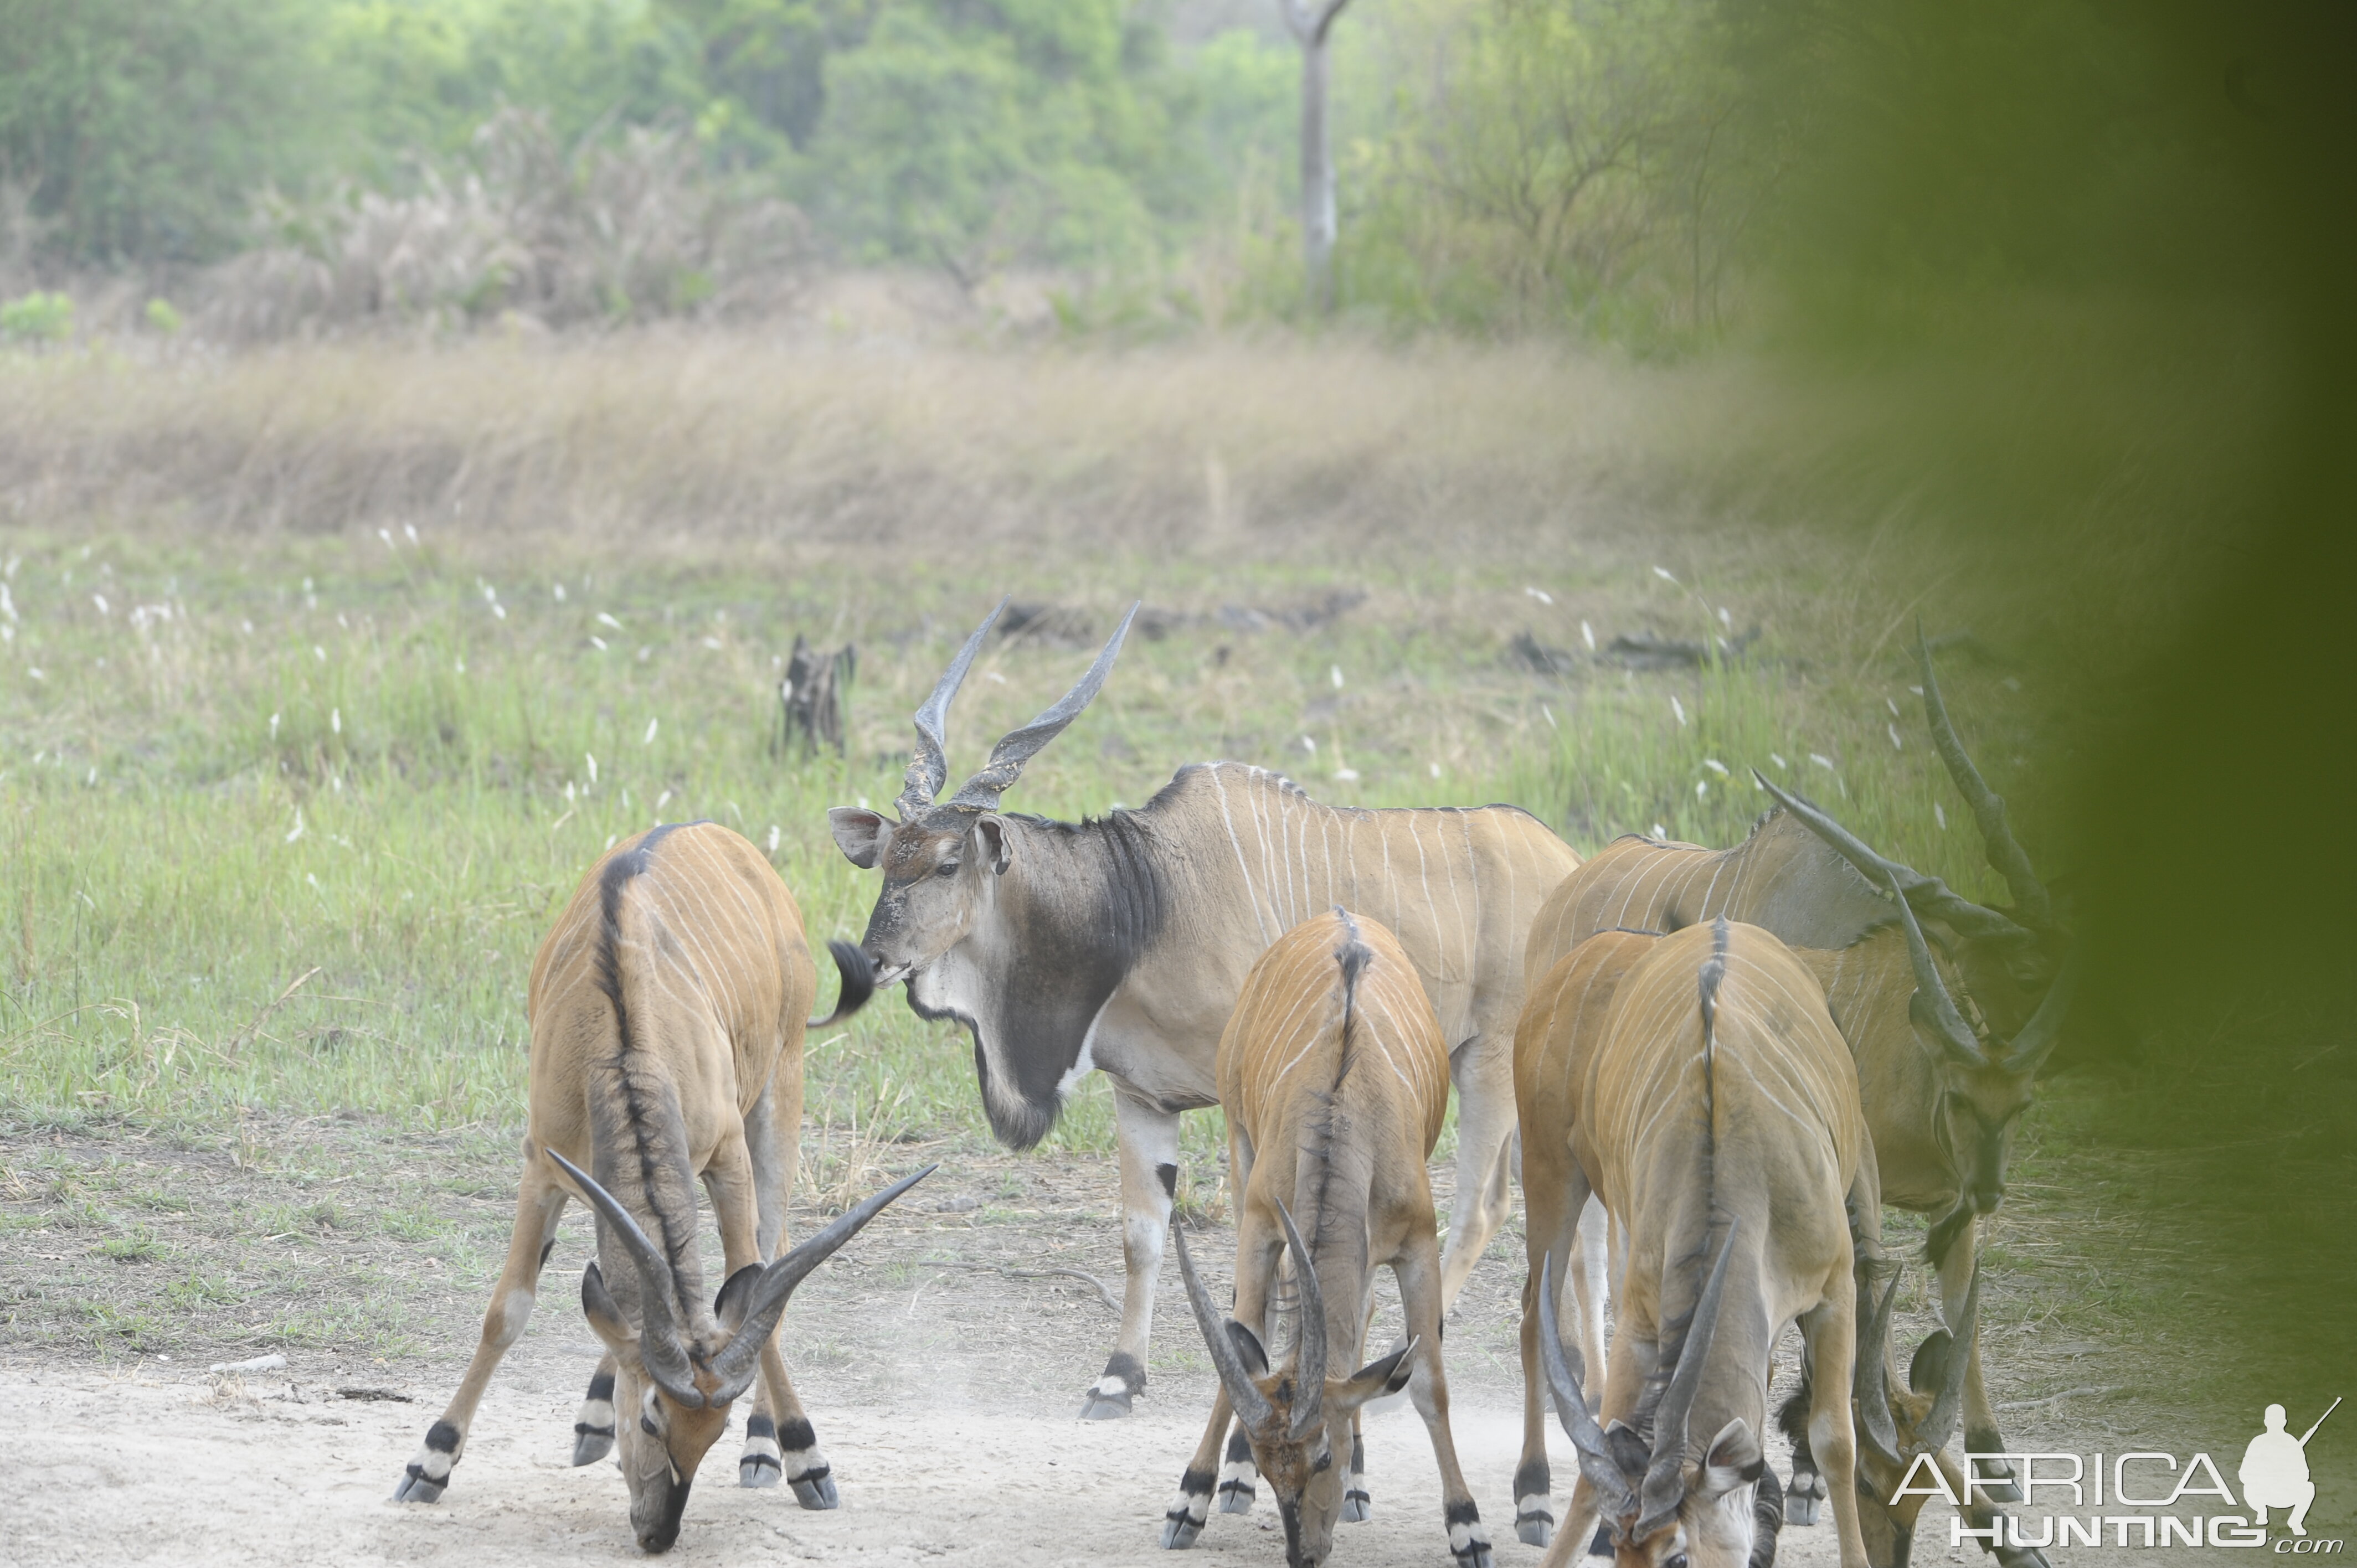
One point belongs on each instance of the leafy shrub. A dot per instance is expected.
(562, 235)
(37, 318)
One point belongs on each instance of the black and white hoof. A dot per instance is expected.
(1600, 1543)
(593, 1429)
(1802, 1497)
(1111, 1396)
(763, 1463)
(1534, 1507)
(1238, 1477)
(1998, 1482)
(1182, 1521)
(429, 1473)
(1358, 1503)
(1468, 1543)
(807, 1471)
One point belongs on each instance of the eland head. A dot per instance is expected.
(936, 855)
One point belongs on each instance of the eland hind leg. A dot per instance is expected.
(1554, 1201)
(539, 1204)
(1483, 1068)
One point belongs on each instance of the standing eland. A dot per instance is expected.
(667, 1025)
(1120, 943)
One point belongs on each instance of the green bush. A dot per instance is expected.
(37, 318)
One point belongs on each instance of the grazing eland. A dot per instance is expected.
(1949, 1018)
(666, 1010)
(1714, 1110)
(1120, 943)
(1335, 1080)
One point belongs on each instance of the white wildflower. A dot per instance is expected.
(501, 611)
(246, 627)
(1892, 731)
(1716, 765)
(596, 641)
(590, 758)
(1782, 766)
(1549, 714)
(1541, 594)
(1347, 775)
(100, 600)
(314, 880)
(558, 589)
(1725, 619)
(1678, 708)
(1893, 704)
(35, 672)
(385, 534)
(993, 675)
(296, 831)
(1334, 673)
(8, 604)
(862, 801)
(1436, 771)
(1309, 744)
(712, 643)
(1702, 788)
(410, 529)
(606, 620)
(462, 666)
(1663, 574)
(1917, 690)
(1588, 635)
(1660, 832)
(570, 795)
(773, 837)
(335, 720)
(652, 724)
(1939, 816)
(663, 800)
(318, 653)
(1825, 762)
(609, 840)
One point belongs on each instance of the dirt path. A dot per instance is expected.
(941, 1372)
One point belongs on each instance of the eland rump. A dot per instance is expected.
(1335, 1083)
(667, 1024)
(1949, 1008)
(1711, 1105)
(1121, 944)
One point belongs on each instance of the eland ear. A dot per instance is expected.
(735, 1297)
(860, 833)
(1732, 1460)
(605, 1319)
(990, 831)
(1248, 1346)
(1378, 1378)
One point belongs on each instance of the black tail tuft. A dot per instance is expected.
(858, 976)
(1767, 1520)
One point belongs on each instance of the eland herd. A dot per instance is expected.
(1710, 1069)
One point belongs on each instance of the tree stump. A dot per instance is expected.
(811, 698)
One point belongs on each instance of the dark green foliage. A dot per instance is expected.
(137, 127)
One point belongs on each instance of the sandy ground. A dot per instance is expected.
(160, 1468)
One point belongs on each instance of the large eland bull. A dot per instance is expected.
(1949, 1007)
(667, 1025)
(1120, 943)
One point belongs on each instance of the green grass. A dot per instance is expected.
(291, 845)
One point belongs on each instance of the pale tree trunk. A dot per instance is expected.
(1312, 24)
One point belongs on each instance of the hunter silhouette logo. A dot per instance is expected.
(2275, 1471)
(2133, 1500)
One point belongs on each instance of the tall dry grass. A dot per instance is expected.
(1267, 449)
